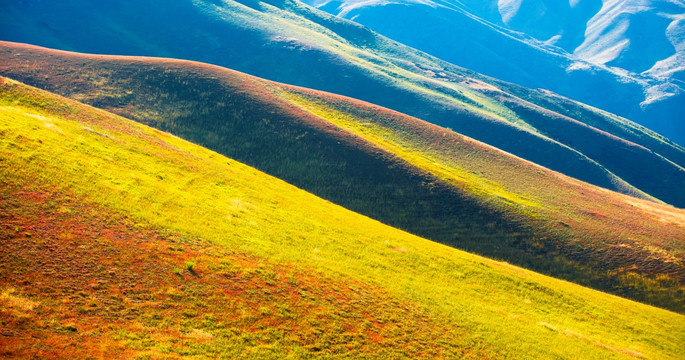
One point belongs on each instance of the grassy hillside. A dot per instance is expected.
(513, 54)
(290, 42)
(402, 171)
(594, 236)
(121, 240)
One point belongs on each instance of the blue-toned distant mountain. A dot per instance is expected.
(624, 56)
(291, 42)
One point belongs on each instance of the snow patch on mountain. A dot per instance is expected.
(348, 6)
(605, 32)
(508, 9)
(674, 64)
(612, 34)
(589, 50)
(659, 92)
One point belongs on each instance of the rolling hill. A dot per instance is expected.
(123, 241)
(623, 56)
(400, 170)
(290, 42)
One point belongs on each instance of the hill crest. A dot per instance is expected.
(49, 143)
(400, 170)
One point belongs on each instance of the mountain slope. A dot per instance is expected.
(632, 50)
(290, 42)
(80, 185)
(394, 168)
(141, 292)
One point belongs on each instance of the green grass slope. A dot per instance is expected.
(124, 241)
(290, 42)
(594, 236)
(400, 170)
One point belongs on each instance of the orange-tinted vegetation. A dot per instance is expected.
(639, 243)
(126, 241)
(80, 281)
(400, 170)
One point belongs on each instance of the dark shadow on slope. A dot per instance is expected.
(239, 117)
(213, 34)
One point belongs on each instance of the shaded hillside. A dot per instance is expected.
(293, 43)
(623, 56)
(464, 193)
(102, 220)
(572, 222)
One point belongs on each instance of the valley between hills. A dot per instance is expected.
(126, 241)
(290, 42)
(262, 180)
(400, 170)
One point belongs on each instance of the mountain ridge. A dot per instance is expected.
(318, 51)
(406, 172)
(582, 50)
(118, 308)
(265, 180)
